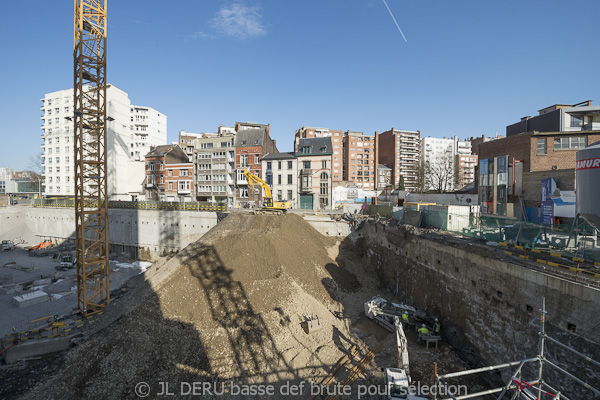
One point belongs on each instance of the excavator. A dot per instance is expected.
(269, 206)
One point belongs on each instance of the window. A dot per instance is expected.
(257, 159)
(170, 172)
(541, 146)
(269, 165)
(576, 121)
(279, 195)
(279, 179)
(289, 197)
(243, 160)
(324, 188)
(289, 165)
(324, 176)
(306, 181)
(306, 164)
(244, 192)
(279, 164)
(183, 172)
(324, 164)
(567, 143)
(289, 179)
(306, 150)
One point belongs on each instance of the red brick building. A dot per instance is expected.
(250, 146)
(169, 174)
(360, 159)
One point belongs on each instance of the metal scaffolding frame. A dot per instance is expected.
(516, 386)
(91, 233)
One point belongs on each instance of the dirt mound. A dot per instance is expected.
(228, 308)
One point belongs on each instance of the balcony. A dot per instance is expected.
(181, 190)
(592, 126)
(306, 171)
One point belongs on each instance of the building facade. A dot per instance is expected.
(186, 141)
(337, 139)
(169, 174)
(465, 170)
(400, 150)
(315, 158)
(130, 132)
(280, 172)
(511, 169)
(360, 160)
(214, 165)
(250, 146)
(384, 177)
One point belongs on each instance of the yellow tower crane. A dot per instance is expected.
(91, 217)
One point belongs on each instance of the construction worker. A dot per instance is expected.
(437, 327)
(405, 317)
(423, 331)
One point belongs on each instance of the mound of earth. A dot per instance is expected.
(226, 308)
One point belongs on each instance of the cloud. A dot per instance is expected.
(238, 21)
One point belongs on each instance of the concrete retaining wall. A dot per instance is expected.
(148, 233)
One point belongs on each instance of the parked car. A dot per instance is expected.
(7, 245)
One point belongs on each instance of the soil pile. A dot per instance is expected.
(228, 307)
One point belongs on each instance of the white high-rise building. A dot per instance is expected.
(131, 131)
(438, 157)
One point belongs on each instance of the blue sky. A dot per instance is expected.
(468, 67)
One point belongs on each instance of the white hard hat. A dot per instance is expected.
(423, 325)
(436, 320)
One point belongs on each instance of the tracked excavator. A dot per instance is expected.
(268, 206)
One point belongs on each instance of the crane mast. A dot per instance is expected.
(91, 203)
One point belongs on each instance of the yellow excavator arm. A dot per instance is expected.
(269, 206)
(252, 179)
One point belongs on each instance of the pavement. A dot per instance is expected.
(17, 267)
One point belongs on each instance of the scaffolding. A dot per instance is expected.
(91, 234)
(517, 387)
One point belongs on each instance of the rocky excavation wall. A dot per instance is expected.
(488, 307)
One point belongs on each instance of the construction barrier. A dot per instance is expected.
(134, 205)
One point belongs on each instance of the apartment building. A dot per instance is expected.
(400, 150)
(214, 165)
(360, 160)
(315, 156)
(169, 174)
(186, 141)
(130, 132)
(465, 170)
(280, 172)
(337, 139)
(251, 144)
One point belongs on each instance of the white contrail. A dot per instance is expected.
(392, 15)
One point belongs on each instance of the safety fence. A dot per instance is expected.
(135, 205)
(576, 240)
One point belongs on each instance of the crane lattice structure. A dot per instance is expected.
(91, 233)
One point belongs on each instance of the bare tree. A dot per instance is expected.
(439, 174)
(35, 168)
(34, 163)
